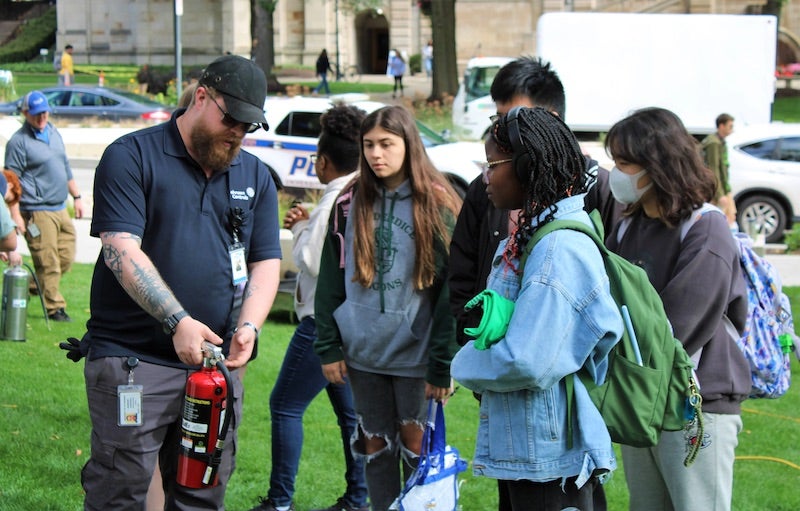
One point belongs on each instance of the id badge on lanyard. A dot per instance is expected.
(238, 263)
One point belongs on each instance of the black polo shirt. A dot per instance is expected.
(146, 184)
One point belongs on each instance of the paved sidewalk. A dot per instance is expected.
(88, 144)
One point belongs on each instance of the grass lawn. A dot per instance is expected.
(123, 77)
(44, 440)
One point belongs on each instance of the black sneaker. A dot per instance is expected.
(267, 505)
(341, 505)
(60, 315)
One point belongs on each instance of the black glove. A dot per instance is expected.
(73, 348)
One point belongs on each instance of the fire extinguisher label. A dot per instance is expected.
(129, 398)
(195, 424)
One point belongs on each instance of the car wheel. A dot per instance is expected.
(765, 214)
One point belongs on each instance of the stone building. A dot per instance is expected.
(142, 31)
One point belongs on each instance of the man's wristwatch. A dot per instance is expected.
(171, 322)
(248, 325)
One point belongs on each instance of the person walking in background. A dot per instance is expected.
(382, 320)
(168, 200)
(323, 65)
(300, 378)
(660, 175)
(564, 320)
(36, 154)
(397, 68)
(143, 78)
(715, 154)
(66, 75)
(427, 58)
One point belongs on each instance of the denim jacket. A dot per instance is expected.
(564, 319)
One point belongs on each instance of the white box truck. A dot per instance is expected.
(697, 65)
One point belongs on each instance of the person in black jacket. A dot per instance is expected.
(323, 66)
(528, 82)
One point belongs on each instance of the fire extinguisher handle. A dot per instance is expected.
(212, 351)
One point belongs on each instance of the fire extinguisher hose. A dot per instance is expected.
(216, 457)
(41, 295)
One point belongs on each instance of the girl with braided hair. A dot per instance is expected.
(564, 319)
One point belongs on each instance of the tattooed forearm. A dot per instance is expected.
(113, 260)
(151, 292)
(144, 284)
(106, 237)
(249, 290)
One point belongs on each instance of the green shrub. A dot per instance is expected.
(35, 34)
(792, 238)
(415, 63)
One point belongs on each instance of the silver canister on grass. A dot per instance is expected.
(14, 313)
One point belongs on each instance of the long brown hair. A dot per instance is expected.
(432, 198)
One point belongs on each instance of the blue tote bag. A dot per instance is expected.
(434, 484)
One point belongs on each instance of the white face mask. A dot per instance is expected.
(623, 186)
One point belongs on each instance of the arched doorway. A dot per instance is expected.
(372, 42)
(788, 47)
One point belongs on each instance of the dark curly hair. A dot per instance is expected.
(340, 140)
(556, 166)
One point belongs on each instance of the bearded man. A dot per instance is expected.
(190, 252)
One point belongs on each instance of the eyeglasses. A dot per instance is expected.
(487, 167)
(232, 123)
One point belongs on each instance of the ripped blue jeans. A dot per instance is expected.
(384, 404)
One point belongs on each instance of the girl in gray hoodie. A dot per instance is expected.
(382, 301)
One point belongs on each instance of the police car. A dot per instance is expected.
(294, 128)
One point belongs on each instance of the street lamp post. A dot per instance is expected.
(178, 48)
(338, 57)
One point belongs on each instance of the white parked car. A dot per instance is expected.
(294, 128)
(765, 176)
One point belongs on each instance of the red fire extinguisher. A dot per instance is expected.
(205, 422)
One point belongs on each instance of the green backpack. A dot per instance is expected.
(650, 386)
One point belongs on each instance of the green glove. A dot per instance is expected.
(497, 312)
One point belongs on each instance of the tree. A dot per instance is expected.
(262, 30)
(445, 70)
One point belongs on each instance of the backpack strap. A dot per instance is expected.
(341, 210)
(596, 234)
(687, 224)
(685, 227)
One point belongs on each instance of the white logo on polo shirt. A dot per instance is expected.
(244, 195)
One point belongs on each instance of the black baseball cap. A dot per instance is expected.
(242, 84)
